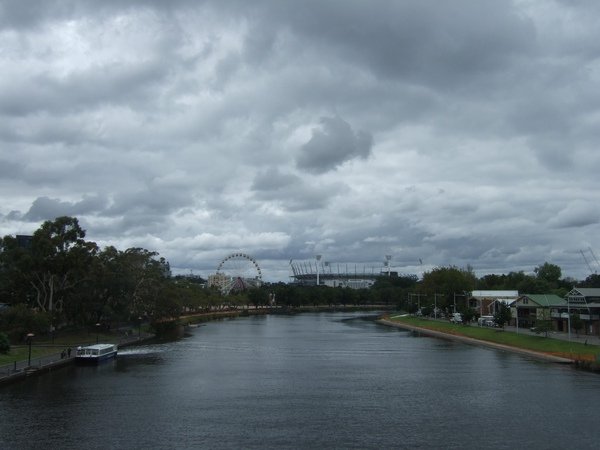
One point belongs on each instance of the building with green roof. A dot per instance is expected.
(530, 308)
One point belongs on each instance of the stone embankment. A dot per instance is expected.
(471, 341)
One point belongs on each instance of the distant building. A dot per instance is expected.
(531, 308)
(582, 301)
(486, 302)
(306, 273)
(350, 283)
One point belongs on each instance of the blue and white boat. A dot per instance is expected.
(94, 354)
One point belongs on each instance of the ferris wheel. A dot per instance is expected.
(238, 272)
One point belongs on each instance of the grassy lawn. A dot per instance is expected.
(574, 350)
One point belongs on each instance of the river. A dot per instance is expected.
(319, 381)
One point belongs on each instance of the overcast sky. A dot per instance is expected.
(439, 132)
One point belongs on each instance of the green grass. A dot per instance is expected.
(539, 343)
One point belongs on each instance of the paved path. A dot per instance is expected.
(579, 338)
(20, 369)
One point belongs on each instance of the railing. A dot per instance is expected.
(36, 363)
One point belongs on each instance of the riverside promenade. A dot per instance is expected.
(19, 370)
(472, 341)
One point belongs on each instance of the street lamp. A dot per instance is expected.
(97, 331)
(29, 339)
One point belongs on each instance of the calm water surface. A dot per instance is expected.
(306, 381)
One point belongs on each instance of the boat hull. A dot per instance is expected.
(95, 359)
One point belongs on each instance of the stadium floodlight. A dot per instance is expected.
(318, 257)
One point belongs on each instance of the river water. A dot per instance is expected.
(319, 381)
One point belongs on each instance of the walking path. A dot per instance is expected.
(579, 338)
(21, 369)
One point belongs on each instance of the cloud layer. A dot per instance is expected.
(438, 133)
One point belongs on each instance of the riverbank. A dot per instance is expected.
(456, 335)
(47, 361)
(20, 370)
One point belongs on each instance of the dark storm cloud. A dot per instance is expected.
(332, 145)
(290, 192)
(44, 208)
(438, 43)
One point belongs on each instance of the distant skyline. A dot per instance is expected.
(440, 133)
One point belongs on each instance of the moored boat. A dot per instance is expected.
(94, 354)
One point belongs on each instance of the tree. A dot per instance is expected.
(543, 324)
(60, 259)
(4, 343)
(468, 315)
(144, 274)
(448, 281)
(576, 323)
(592, 281)
(548, 272)
(258, 296)
(502, 315)
(19, 320)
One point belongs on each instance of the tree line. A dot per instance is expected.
(58, 280)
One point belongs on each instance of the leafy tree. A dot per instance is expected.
(448, 281)
(592, 281)
(144, 275)
(15, 264)
(258, 296)
(4, 343)
(543, 324)
(548, 272)
(492, 282)
(468, 315)
(60, 260)
(412, 308)
(427, 311)
(533, 285)
(502, 315)
(576, 323)
(19, 320)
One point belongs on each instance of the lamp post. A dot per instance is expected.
(569, 318)
(29, 339)
(139, 327)
(318, 259)
(97, 331)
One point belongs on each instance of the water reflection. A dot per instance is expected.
(320, 380)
